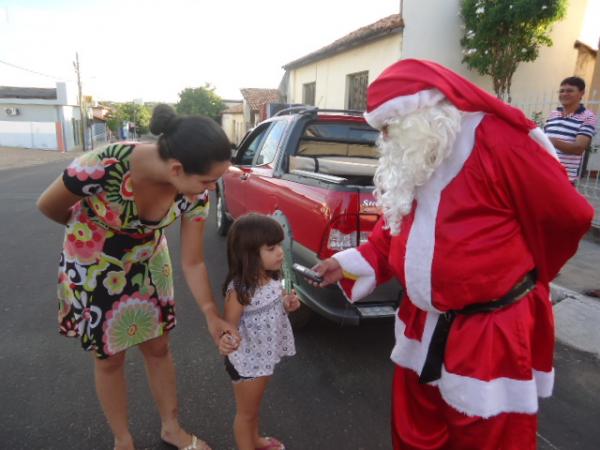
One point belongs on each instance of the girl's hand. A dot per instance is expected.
(228, 343)
(330, 270)
(218, 327)
(291, 302)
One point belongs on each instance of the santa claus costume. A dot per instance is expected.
(487, 233)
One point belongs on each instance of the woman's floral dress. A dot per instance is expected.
(115, 283)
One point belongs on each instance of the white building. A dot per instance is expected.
(40, 118)
(433, 30)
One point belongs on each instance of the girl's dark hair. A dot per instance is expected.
(195, 141)
(244, 240)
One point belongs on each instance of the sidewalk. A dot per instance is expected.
(577, 315)
(14, 157)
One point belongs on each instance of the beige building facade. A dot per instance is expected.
(233, 123)
(332, 76)
(336, 76)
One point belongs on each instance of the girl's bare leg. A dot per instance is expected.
(248, 395)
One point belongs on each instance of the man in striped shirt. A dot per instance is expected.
(571, 126)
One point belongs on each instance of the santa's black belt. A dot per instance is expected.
(432, 369)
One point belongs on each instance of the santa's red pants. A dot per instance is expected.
(422, 420)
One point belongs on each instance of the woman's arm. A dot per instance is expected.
(233, 314)
(196, 276)
(56, 201)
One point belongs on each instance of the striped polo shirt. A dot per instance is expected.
(567, 128)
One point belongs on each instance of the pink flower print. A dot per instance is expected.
(106, 162)
(86, 166)
(105, 210)
(84, 241)
(126, 189)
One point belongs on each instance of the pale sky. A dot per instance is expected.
(151, 50)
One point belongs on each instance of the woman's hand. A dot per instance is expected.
(291, 302)
(330, 270)
(218, 328)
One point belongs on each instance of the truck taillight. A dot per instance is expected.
(340, 241)
(346, 232)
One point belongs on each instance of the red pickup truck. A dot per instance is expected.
(314, 168)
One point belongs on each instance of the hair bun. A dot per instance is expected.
(163, 119)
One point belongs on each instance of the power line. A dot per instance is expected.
(30, 70)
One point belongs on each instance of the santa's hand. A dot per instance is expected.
(291, 302)
(330, 270)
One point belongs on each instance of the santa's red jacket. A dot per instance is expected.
(498, 207)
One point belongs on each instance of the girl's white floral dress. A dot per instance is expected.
(265, 331)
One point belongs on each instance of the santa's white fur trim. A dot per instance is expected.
(411, 353)
(469, 395)
(421, 239)
(544, 382)
(353, 262)
(400, 106)
(540, 137)
(489, 398)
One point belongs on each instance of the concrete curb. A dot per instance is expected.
(577, 319)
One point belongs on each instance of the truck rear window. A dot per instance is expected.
(338, 152)
(344, 132)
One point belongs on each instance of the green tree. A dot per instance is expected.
(132, 112)
(500, 34)
(201, 100)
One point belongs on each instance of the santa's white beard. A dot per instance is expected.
(415, 146)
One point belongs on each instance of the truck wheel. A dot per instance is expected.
(300, 318)
(223, 221)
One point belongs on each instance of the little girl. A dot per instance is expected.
(256, 304)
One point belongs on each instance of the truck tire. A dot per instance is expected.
(223, 222)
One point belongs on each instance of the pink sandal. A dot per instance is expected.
(274, 444)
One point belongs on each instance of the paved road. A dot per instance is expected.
(334, 394)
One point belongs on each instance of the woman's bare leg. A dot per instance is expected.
(111, 389)
(161, 377)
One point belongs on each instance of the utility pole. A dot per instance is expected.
(82, 109)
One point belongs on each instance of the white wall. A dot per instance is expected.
(66, 93)
(29, 113)
(69, 113)
(234, 126)
(40, 135)
(433, 28)
(330, 73)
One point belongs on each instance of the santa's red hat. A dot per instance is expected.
(412, 84)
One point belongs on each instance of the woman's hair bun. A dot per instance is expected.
(163, 119)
